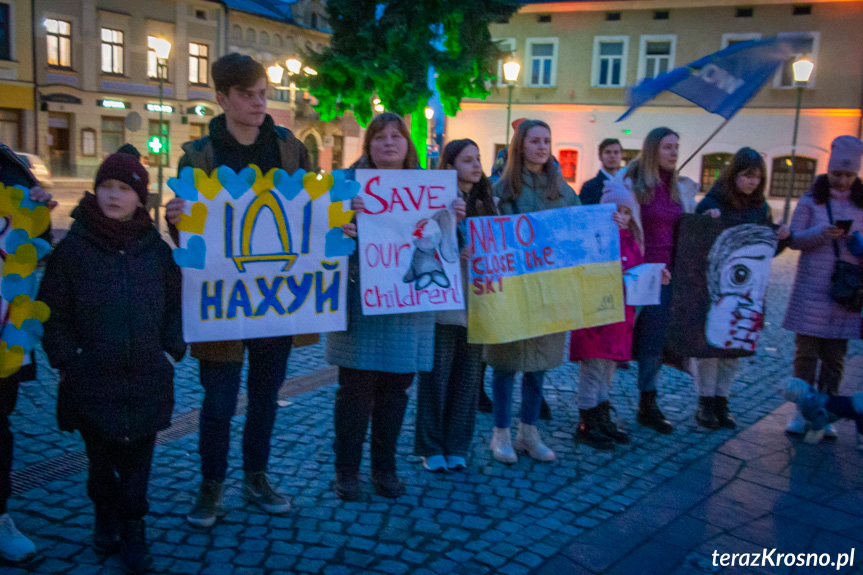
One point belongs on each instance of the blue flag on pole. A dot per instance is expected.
(724, 81)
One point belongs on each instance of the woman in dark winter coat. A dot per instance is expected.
(114, 293)
(736, 198)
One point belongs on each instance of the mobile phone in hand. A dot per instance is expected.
(844, 225)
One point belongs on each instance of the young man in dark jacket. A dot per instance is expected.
(243, 135)
(610, 153)
(14, 546)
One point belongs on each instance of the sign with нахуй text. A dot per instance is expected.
(543, 272)
(409, 256)
(262, 255)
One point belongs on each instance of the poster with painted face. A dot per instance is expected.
(719, 280)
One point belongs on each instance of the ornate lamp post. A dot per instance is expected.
(802, 72)
(163, 50)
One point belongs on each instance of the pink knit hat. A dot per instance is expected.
(845, 154)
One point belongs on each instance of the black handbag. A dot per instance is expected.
(846, 283)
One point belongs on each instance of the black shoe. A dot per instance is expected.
(135, 552)
(347, 485)
(589, 433)
(723, 416)
(106, 534)
(387, 483)
(650, 416)
(607, 426)
(544, 411)
(484, 405)
(706, 413)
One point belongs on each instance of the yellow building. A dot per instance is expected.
(578, 56)
(272, 33)
(17, 104)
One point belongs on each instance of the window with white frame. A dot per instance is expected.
(59, 36)
(153, 61)
(112, 51)
(657, 55)
(542, 62)
(504, 45)
(730, 39)
(609, 61)
(785, 76)
(199, 63)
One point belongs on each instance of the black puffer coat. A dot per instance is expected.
(114, 314)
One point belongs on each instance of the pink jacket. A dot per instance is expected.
(612, 341)
(810, 309)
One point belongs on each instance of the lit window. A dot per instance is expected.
(112, 51)
(199, 63)
(59, 35)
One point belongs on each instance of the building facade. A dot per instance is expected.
(97, 82)
(17, 104)
(577, 58)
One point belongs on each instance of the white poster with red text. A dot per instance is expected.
(409, 253)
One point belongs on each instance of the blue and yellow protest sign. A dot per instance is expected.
(543, 272)
(262, 255)
(22, 221)
(409, 256)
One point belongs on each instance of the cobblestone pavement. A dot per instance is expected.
(490, 519)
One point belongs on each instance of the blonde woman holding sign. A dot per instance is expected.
(531, 182)
(378, 355)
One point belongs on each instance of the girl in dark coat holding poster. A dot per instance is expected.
(114, 293)
(736, 198)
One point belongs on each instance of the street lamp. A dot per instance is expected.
(275, 73)
(802, 70)
(162, 48)
(510, 73)
(294, 66)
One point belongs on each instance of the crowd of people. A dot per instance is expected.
(115, 326)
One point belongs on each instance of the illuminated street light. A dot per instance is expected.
(275, 73)
(429, 112)
(802, 72)
(511, 69)
(293, 65)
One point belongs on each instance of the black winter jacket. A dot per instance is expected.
(731, 216)
(114, 314)
(591, 190)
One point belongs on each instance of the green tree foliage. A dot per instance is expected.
(387, 52)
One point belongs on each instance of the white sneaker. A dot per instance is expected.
(435, 463)
(501, 445)
(797, 424)
(527, 439)
(830, 431)
(14, 546)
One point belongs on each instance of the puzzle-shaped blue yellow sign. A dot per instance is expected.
(263, 255)
(22, 221)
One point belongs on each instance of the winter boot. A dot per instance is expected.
(589, 433)
(527, 439)
(723, 416)
(135, 551)
(208, 506)
(257, 490)
(650, 416)
(347, 485)
(501, 445)
(106, 533)
(706, 413)
(607, 425)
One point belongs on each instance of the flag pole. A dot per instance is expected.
(716, 131)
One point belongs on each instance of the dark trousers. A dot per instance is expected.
(362, 395)
(447, 395)
(8, 398)
(831, 352)
(649, 339)
(268, 358)
(119, 474)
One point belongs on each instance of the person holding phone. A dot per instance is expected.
(823, 327)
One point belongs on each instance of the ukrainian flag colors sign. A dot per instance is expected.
(543, 272)
(263, 255)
